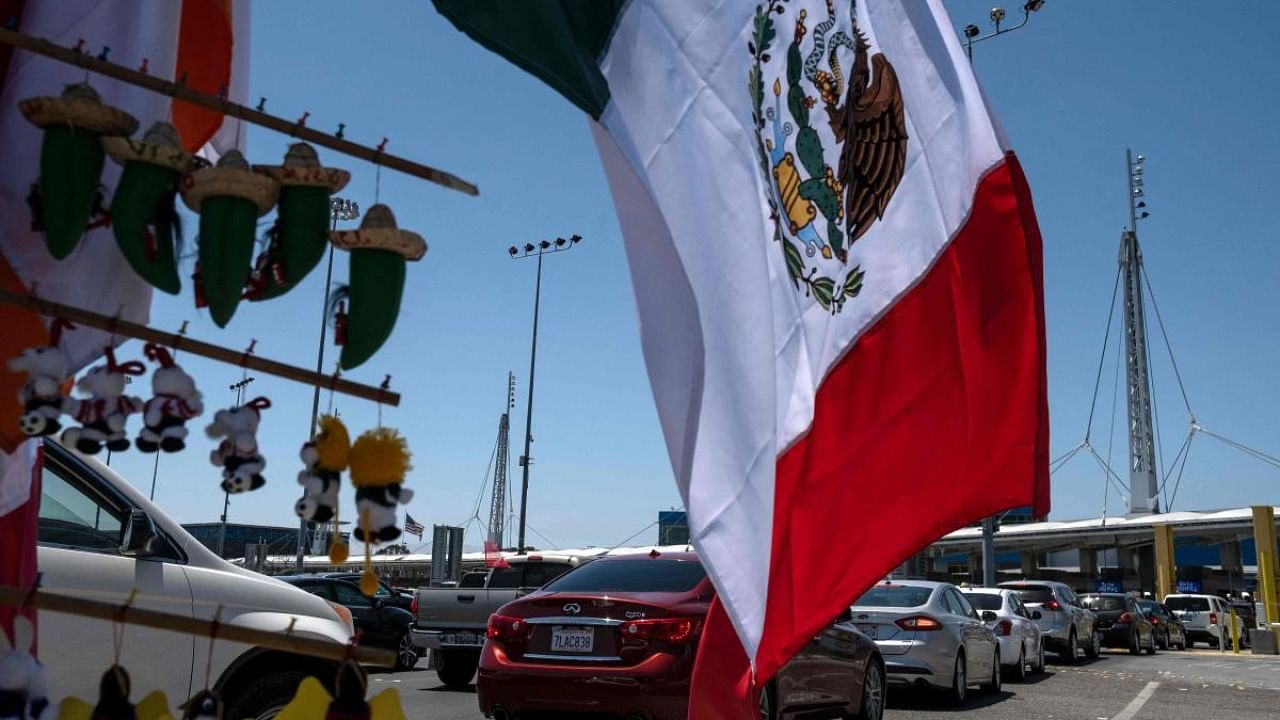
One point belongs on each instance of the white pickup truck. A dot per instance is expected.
(451, 622)
(100, 539)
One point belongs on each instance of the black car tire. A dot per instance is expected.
(265, 697)
(1164, 644)
(1039, 666)
(455, 668)
(993, 686)
(873, 693)
(1020, 671)
(1068, 653)
(1135, 643)
(406, 652)
(1094, 649)
(959, 683)
(1151, 650)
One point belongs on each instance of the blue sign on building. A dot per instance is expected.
(1112, 586)
(1190, 586)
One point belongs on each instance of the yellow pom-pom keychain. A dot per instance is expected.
(379, 462)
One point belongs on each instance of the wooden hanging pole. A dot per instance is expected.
(241, 358)
(283, 640)
(180, 91)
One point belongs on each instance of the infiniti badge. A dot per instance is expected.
(573, 608)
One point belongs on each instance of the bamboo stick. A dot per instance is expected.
(136, 331)
(41, 46)
(283, 640)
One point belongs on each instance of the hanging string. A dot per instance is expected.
(377, 184)
(213, 637)
(118, 626)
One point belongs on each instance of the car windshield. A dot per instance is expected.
(631, 576)
(903, 596)
(1148, 606)
(1039, 595)
(1187, 603)
(985, 601)
(1101, 602)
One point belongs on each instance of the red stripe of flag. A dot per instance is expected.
(937, 417)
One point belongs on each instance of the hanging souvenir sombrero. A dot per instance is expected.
(71, 159)
(302, 221)
(379, 250)
(145, 196)
(230, 198)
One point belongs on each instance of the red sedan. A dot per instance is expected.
(617, 637)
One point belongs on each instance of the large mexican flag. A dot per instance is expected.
(838, 273)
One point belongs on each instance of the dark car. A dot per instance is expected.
(1171, 634)
(618, 636)
(377, 623)
(402, 599)
(1121, 622)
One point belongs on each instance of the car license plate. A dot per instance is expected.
(867, 629)
(462, 638)
(572, 639)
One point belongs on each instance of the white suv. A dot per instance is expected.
(99, 539)
(1205, 618)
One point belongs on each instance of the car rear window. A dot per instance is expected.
(1034, 594)
(1095, 602)
(1187, 603)
(903, 596)
(985, 601)
(631, 576)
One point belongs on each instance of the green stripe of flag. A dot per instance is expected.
(557, 41)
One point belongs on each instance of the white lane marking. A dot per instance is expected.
(1136, 704)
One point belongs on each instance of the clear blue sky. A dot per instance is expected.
(1195, 93)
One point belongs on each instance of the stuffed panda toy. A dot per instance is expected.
(41, 394)
(106, 410)
(325, 457)
(379, 462)
(238, 454)
(174, 401)
(24, 688)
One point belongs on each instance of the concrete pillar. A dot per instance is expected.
(1232, 565)
(1089, 564)
(1030, 565)
(1128, 568)
(1264, 537)
(1166, 572)
(975, 568)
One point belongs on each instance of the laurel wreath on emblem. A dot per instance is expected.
(812, 206)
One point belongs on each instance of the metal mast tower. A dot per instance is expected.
(1143, 488)
(497, 505)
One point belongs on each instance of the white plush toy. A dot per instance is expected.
(41, 394)
(325, 457)
(238, 454)
(24, 691)
(103, 414)
(175, 401)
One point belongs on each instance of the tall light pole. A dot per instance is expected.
(345, 210)
(973, 35)
(544, 247)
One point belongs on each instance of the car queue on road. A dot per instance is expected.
(618, 635)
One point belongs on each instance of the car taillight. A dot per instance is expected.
(918, 622)
(1003, 628)
(505, 628)
(1213, 618)
(1126, 617)
(671, 630)
(413, 606)
(1155, 620)
(1053, 605)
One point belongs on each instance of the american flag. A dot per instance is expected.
(412, 527)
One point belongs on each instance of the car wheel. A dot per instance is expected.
(959, 683)
(1039, 668)
(872, 693)
(1164, 643)
(993, 687)
(1135, 643)
(1151, 649)
(456, 668)
(406, 653)
(767, 711)
(265, 697)
(1069, 653)
(1095, 646)
(1020, 671)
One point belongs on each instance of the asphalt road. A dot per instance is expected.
(1197, 685)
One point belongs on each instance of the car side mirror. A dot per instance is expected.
(989, 615)
(139, 537)
(1035, 615)
(846, 615)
